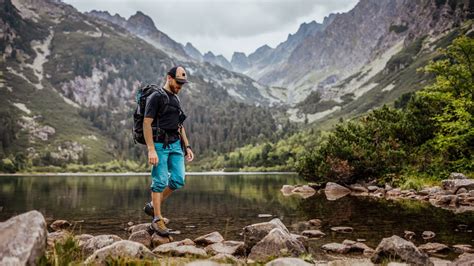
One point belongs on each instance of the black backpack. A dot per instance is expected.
(139, 114)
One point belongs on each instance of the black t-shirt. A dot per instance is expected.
(166, 115)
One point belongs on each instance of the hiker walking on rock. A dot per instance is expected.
(167, 144)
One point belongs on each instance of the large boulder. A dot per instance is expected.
(23, 239)
(118, 250)
(276, 244)
(396, 247)
(288, 262)
(209, 239)
(98, 242)
(335, 191)
(452, 185)
(256, 232)
(227, 247)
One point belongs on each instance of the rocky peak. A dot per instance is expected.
(142, 22)
(239, 61)
(193, 51)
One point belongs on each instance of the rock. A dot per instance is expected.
(181, 250)
(428, 235)
(138, 227)
(433, 248)
(256, 232)
(227, 258)
(130, 223)
(335, 191)
(118, 250)
(465, 259)
(60, 225)
(203, 263)
(98, 242)
(397, 247)
(23, 239)
(463, 248)
(287, 190)
(165, 248)
(452, 185)
(82, 239)
(313, 233)
(357, 188)
(288, 262)
(461, 191)
(388, 187)
(409, 235)
(457, 176)
(264, 215)
(372, 188)
(211, 238)
(277, 243)
(142, 237)
(302, 239)
(336, 248)
(227, 247)
(394, 193)
(157, 240)
(342, 229)
(304, 191)
(57, 237)
(315, 222)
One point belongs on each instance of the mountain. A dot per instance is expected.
(67, 89)
(144, 27)
(319, 56)
(240, 62)
(193, 52)
(217, 60)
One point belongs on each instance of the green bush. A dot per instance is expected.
(432, 133)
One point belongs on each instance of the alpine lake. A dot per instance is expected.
(225, 203)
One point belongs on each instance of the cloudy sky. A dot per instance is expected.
(224, 26)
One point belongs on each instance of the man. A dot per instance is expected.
(164, 136)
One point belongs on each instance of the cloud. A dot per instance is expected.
(224, 26)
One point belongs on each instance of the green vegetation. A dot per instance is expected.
(432, 134)
(398, 28)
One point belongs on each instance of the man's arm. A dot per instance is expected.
(190, 154)
(148, 134)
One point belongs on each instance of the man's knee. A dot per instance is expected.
(157, 186)
(176, 183)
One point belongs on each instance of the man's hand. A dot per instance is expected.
(152, 157)
(190, 155)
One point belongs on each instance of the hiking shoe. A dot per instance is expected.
(148, 209)
(158, 225)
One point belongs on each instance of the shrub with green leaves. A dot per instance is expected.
(433, 133)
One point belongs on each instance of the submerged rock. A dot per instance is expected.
(118, 250)
(396, 247)
(342, 229)
(23, 239)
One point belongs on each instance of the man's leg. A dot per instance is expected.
(166, 194)
(159, 184)
(176, 167)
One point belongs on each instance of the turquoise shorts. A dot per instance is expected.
(170, 169)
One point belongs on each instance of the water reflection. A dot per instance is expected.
(224, 204)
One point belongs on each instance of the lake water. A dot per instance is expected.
(105, 204)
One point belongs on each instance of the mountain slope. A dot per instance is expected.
(68, 95)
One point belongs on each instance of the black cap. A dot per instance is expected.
(179, 74)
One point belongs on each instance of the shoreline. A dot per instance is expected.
(145, 173)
